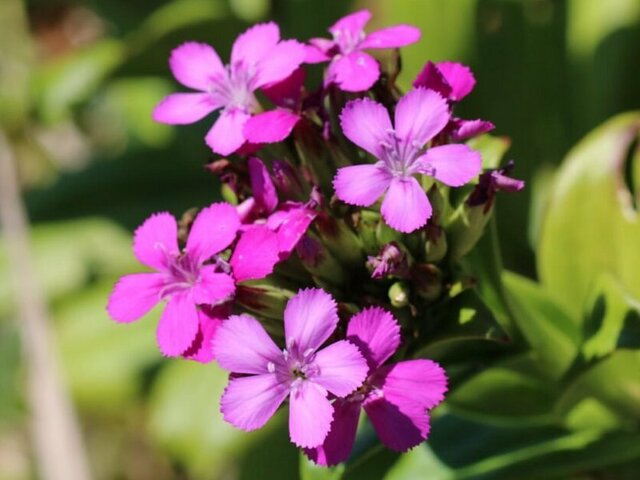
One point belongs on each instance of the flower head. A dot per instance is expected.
(350, 67)
(396, 397)
(420, 115)
(183, 278)
(264, 375)
(258, 58)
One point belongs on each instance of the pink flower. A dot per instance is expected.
(396, 397)
(350, 67)
(454, 81)
(258, 58)
(181, 278)
(264, 376)
(419, 116)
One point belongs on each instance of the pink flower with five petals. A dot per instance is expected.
(350, 67)
(258, 59)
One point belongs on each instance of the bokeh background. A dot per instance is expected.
(78, 81)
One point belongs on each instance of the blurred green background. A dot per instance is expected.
(78, 81)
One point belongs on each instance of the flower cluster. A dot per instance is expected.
(337, 240)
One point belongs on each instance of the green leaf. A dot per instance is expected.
(551, 333)
(491, 148)
(591, 225)
(311, 471)
(421, 462)
(606, 313)
(613, 384)
(510, 392)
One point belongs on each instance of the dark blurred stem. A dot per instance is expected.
(59, 449)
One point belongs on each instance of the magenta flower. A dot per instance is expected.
(302, 371)
(420, 115)
(258, 58)
(183, 279)
(396, 397)
(454, 81)
(350, 67)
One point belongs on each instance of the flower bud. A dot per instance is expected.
(263, 298)
(366, 226)
(466, 227)
(399, 294)
(427, 279)
(435, 248)
(340, 239)
(319, 262)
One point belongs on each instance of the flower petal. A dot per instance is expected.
(156, 240)
(242, 345)
(286, 93)
(339, 442)
(255, 43)
(376, 333)
(195, 65)
(310, 414)
(453, 165)
(367, 124)
(249, 402)
(470, 128)
(460, 78)
(201, 350)
(255, 255)
(292, 226)
(281, 62)
(184, 108)
(405, 207)
(226, 136)
(361, 185)
(420, 115)
(264, 191)
(398, 430)
(431, 78)
(178, 325)
(310, 318)
(212, 287)
(419, 383)
(391, 37)
(354, 72)
(270, 127)
(342, 368)
(213, 230)
(134, 295)
(351, 24)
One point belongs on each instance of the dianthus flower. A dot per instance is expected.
(350, 67)
(419, 116)
(263, 376)
(258, 58)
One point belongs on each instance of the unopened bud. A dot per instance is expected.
(466, 227)
(318, 261)
(435, 248)
(427, 279)
(367, 225)
(341, 241)
(263, 298)
(399, 294)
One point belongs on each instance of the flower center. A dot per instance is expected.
(347, 40)
(235, 89)
(399, 155)
(182, 274)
